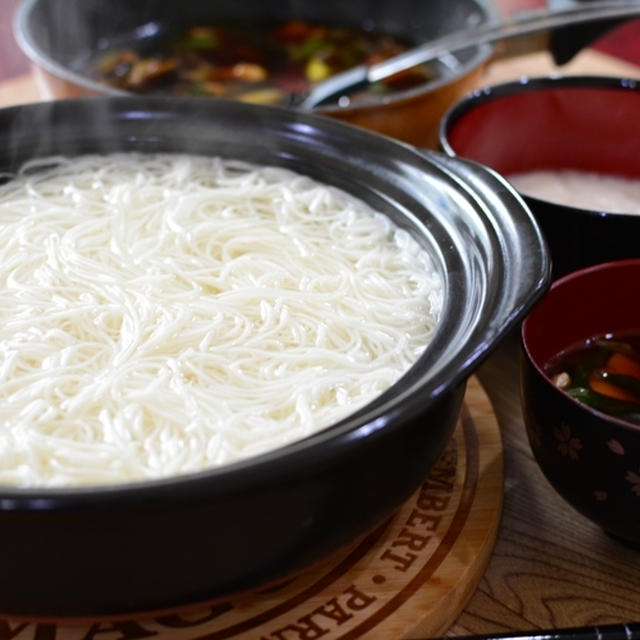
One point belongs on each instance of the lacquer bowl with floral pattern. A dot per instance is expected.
(589, 457)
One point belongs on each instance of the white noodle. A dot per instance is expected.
(164, 313)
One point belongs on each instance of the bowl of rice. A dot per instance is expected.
(568, 144)
(234, 340)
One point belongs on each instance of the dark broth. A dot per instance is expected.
(603, 373)
(252, 62)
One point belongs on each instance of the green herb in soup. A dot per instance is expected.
(252, 62)
(603, 373)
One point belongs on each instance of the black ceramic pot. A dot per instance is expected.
(152, 545)
(62, 36)
(584, 123)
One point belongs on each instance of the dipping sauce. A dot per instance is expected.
(603, 373)
(251, 62)
(581, 189)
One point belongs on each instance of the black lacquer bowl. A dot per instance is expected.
(572, 122)
(591, 458)
(167, 543)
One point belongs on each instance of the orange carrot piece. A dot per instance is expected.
(605, 388)
(619, 363)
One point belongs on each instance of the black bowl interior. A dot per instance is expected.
(235, 527)
(63, 36)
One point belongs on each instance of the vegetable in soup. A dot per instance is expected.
(603, 373)
(251, 62)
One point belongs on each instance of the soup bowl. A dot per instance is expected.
(590, 457)
(558, 123)
(154, 545)
(62, 37)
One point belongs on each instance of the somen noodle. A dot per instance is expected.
(161, 314)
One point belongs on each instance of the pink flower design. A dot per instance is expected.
(600, 496)
(568, 445)
(634, 479)
(616, 447)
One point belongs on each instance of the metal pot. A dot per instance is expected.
(151, 545)
(60, 36)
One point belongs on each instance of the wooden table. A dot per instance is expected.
(550, 568)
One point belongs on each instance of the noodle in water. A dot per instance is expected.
(161, 314)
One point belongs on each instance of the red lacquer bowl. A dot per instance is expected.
(581, 122)
(590, 458)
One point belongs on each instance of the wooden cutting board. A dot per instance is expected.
(408, 579)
